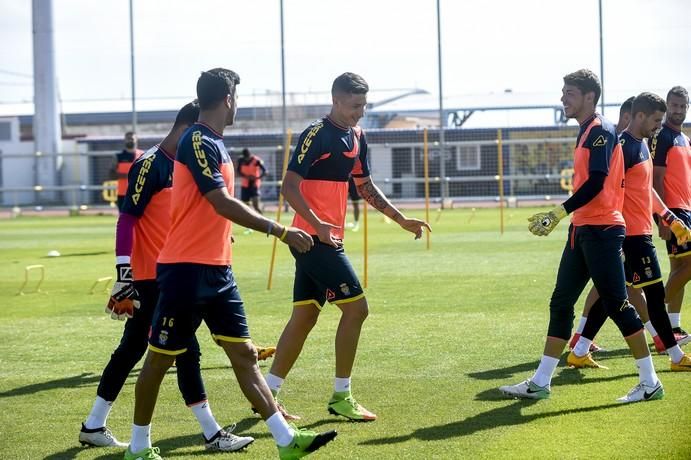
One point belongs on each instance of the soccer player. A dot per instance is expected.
(141, 229)
(195, 279)
(251, 169)
(641, 265)
(624, 120)
(671, 154)
(316, 186)
(355, 201)
(123, 163)
(593, 248)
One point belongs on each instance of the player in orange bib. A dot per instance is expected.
(594, 245)
(194, 273)
(671, 154)
(641, 265)
(316, 185)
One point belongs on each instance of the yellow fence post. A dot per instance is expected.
(286, 154)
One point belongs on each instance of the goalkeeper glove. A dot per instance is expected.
(124, 298)
(677, 226)
(542, 223)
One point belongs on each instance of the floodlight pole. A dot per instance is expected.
(442, 150)
(132, 85)
(602, 61)
(283, 77)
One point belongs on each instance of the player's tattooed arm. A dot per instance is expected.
(371, 193)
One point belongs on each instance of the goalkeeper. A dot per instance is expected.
(140, 233)
(594, 245)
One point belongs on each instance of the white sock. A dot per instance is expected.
(274, 382)
(543, 374)
(141, 438)
(581, 324)
(341, 384)
(646, 371)
(99, 414)
(675, 353)
(206, 419)
(582, 347)
(651, 330)
(675, 319)
(280, 430)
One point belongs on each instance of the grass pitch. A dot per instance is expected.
(447, 327)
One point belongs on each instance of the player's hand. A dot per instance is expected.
(414, 226)
(676, 226)
(298, 239)
(542, 223)
(124, 298)
(324, 234)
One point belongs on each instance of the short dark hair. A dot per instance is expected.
(648, 103)
(349, 83)
(678, 91)
(214, 85)
(586, 81)
(245, 151)
(130, 134)
(627, 105)
(187, 115)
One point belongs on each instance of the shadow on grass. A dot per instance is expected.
(85, 378)
(504, 416)
(168, 446)
(531, 366)
(81, 380)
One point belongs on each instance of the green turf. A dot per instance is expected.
(447, 327)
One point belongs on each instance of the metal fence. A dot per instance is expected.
(478, 166)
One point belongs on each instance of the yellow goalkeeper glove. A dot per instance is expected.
(542, 223)
(677, 226)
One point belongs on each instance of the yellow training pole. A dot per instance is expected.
(364, 235)
(425, 153)
(500, 167)
(286, 154)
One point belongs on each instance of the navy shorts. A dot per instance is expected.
(324, 274)
(675, 250)
(190, 293)
(247, 193)
(352, 191)
(640, 261)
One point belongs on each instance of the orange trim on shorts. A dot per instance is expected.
(304, 303)
(349, 300)
(167, 352)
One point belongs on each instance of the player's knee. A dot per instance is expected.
(356, 311)
(304, 317)
(560, 320)
(242, 355)
(189, 360)
(624, 316)
(159, 362)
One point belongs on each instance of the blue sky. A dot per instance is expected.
(488, 46)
